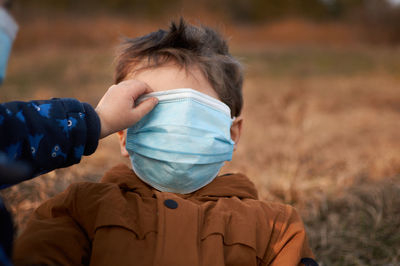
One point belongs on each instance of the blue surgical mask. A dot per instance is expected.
(181, 145)
(8, 31)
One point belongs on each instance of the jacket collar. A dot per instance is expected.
(228, 185)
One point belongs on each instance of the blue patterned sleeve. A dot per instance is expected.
(43, 136)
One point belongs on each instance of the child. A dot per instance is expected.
(171, 209)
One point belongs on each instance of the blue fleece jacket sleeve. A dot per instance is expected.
(45, 135)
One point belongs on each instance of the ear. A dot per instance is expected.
(236, 130)
(122, 142)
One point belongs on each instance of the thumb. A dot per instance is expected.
(144, 108)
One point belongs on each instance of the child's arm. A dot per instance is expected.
(45, 135)
(50, 134)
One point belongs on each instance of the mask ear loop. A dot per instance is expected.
(232, 120)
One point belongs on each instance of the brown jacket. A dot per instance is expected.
(123, 221)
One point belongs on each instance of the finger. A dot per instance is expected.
(145, 107)
(136, 88)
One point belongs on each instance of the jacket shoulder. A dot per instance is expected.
(86, 203)
(273, 230)
(288, 241)
(77, 194)
(243, 222)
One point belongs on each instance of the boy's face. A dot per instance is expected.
(172, 76)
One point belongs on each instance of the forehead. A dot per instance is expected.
(172, 76)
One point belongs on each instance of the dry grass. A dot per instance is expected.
(321, 129)
(357, 226)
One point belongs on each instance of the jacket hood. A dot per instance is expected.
(228, 185)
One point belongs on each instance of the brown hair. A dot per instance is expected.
(187, 45)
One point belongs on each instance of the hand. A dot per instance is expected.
(117, 109)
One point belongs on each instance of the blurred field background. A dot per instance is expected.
(321, 114)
